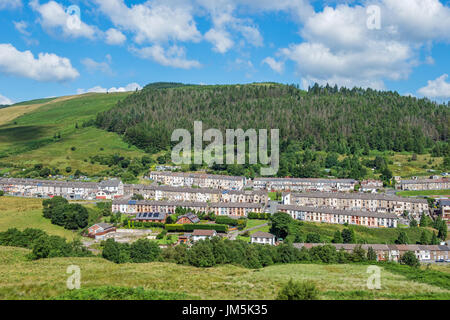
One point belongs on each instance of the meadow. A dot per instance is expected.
(22, 213)
(27, 133)
(46, 278)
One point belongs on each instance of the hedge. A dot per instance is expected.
(191, 227)
(260, 216)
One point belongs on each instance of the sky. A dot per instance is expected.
(56, 48)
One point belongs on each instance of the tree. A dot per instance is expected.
(348, 236)
(410, 259)
(313, 237)
(434, 239)
(425, 221)
(402, 238)
(371, 254)
(424, 238)
(201, 254)
(413, 223)
(337, 237)
(280, 224)
(305, 290)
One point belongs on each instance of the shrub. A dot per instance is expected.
(298, 291)
(410, 259)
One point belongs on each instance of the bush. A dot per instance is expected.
(410, 259)
(298, 291)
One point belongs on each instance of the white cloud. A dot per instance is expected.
(54, 16)
(93, 65)
(114, 37)
(21, 26)
(438, 88)
(47, 66)
(153, 21)
(10, 4)
(277, 66)
(221, 40)
(174, 57)
(5, 101)
(98, 89)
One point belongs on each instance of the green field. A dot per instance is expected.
(46, 278)
(414, 193)
(22, 213)
(27, 137)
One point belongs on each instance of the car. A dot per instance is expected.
(447, 260)
(440, 260)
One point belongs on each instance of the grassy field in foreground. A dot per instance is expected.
(44, 279)
(431, 193)
(22, 213)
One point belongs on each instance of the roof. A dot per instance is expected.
(196, 175)
(260, 234)
(190, 216)
(201, 232)
(150, 216)
(304, 180)
(444, 202)
(377, 247)
(103, 225)
(418, 181)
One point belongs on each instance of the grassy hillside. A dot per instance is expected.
(46, 278)
(27, 133)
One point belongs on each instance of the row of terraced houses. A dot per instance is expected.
(372, 202)
(392, 252)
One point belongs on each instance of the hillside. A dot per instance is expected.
(57, 133)
(46, 278)
(324, 132)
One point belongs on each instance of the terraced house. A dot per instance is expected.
(392, 252)
(184, 179)
(330, 215)
(358, 201)
(168, 193)
(424, 184)
(219, 208)
(303, 184)
(73, 190)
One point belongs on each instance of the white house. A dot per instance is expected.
(199, 234)
(262, 238)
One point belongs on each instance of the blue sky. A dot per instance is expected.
(47, 49)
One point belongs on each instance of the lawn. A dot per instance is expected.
(22, 213)
(429, 193)
(46, 278)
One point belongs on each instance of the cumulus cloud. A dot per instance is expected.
(10, 4)
(98, 89)
(46, 67)
(221, 40)
(277, 66)
(114, 37)
(22, 26)
(93, 65)
(54, 16)
(5, 101)
(339, 48)
(153, 21)
(175, 56)
(438, 88)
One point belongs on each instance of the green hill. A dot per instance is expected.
(324, 131)
(46, 279)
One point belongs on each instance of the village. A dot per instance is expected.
(178, 204)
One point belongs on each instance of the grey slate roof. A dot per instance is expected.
(337, 212)
(362, 196)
